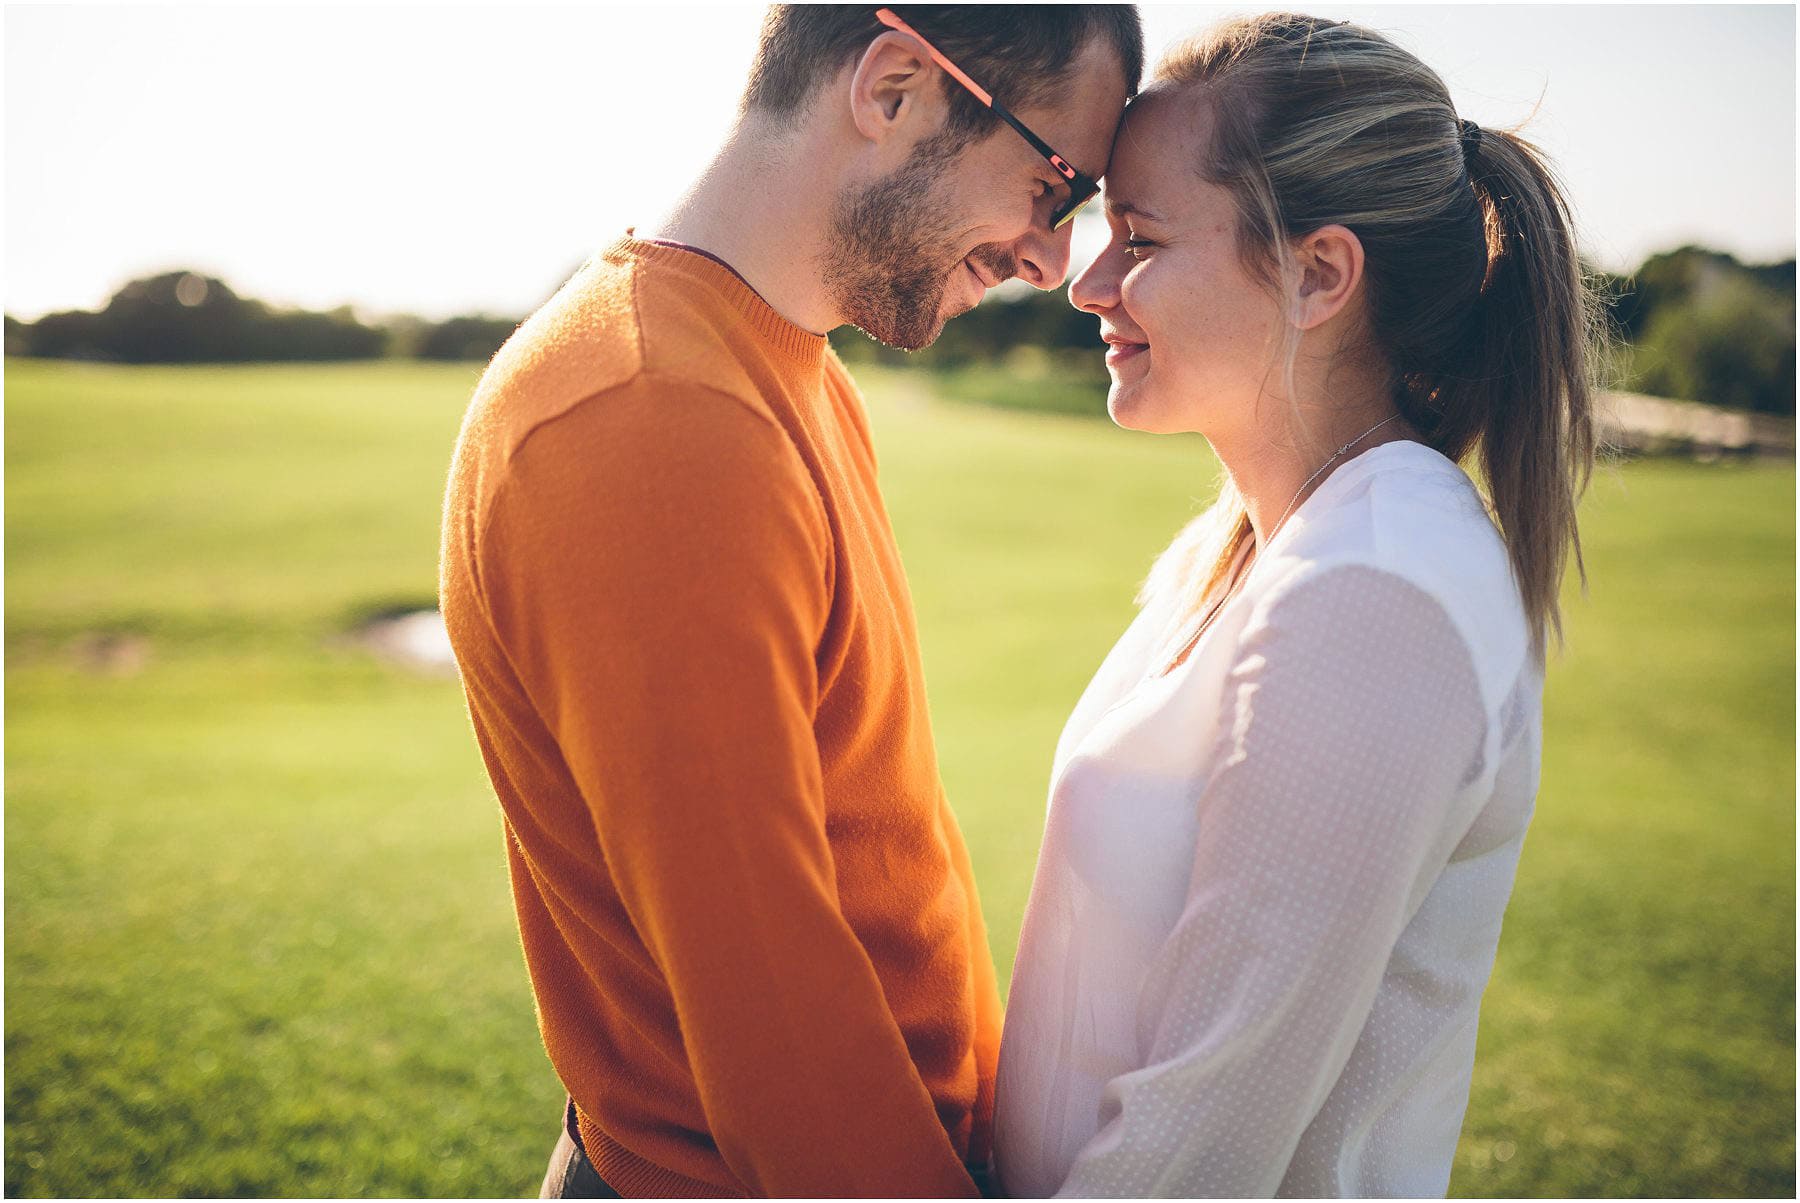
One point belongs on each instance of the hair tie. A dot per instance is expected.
(1471, 138)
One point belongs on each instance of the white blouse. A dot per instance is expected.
(1271, 881)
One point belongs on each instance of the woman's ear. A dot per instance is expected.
(1330, 263)
(887, 85)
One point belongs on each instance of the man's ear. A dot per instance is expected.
(1330, 262)
(889, 85)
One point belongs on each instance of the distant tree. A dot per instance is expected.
(176, 317)
(1702, 326)
(1731, 345)
(186, 317)
(69, 334)
(300, 334)
(405, 332)
(470, 338)
(1778, 276)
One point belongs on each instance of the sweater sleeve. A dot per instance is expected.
(657, 567)
(1351, 720)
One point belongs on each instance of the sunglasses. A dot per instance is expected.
(1082, 188)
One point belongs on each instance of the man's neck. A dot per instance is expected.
(756, 207)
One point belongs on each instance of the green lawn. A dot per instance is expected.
(258, 934)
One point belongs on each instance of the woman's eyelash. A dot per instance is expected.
(1132, 246)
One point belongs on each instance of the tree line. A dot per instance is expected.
(1692, 323)
(186, 317)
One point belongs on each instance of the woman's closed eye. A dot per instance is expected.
(1135, 247)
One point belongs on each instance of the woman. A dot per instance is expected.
(1285, 816)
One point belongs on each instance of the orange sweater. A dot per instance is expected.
(691, 664)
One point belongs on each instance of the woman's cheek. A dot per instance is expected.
(1138, 297)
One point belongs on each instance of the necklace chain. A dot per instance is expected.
(1353, 442)
(1188, 643)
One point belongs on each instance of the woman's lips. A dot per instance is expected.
(1119, 352)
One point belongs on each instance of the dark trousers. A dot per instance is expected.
(571, 1175)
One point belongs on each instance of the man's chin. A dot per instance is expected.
(905, 340)
(919, 342)
(961, 308)
(914, 318)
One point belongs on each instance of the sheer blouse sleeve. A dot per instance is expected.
(1351, 719)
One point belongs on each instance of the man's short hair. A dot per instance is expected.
(1022, 53)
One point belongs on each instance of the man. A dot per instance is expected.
(687, 643)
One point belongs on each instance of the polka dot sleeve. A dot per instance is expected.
(1353, 720)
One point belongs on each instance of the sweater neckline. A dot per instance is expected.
(802, 346)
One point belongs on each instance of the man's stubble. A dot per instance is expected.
(893, 250)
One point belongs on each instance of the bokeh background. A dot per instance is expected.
(258, 934)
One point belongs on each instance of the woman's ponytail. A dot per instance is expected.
(1523, 390)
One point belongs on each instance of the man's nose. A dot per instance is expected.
(1044, 256)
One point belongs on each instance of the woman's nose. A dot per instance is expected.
(1097, 288)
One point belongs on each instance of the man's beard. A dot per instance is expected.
(891, 253)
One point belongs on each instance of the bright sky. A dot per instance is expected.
(446, 160)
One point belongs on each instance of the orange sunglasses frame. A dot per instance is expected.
(1082, 187)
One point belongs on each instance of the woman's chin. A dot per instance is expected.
(1125, 404)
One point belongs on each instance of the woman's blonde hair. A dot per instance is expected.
(1475, 295)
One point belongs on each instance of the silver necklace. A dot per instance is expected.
(1188, 643)
(1353, 442)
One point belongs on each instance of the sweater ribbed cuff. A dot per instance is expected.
(635, 1178)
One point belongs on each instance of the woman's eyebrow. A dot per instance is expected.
(1125, 208)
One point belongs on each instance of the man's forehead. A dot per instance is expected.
(1080, 124)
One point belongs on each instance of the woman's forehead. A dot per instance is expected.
(1161, 143)
(1167, 114)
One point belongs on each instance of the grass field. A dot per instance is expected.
(258, 933)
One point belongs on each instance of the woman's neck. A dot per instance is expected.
(1276, 473)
